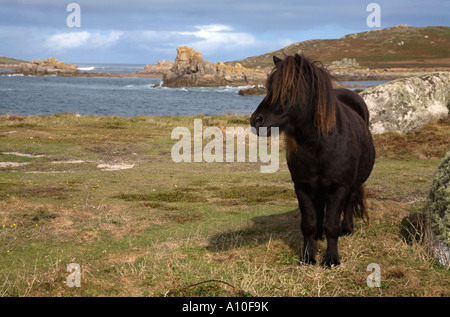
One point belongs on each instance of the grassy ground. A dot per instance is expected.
(103, 192)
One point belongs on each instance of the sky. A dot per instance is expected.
(145, 31)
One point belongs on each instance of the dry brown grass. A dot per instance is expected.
(430, 143)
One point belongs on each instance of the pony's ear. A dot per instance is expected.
(276, 60)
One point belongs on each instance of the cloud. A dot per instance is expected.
(218, 34)
(205, 31)
(285, 42)
(83, 39)
(216, 37)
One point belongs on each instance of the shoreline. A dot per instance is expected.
(82, 74)
(339, 73)
(355, 75)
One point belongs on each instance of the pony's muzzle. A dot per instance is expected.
(257, 121)
(258, 126)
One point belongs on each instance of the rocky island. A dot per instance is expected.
(49, 66)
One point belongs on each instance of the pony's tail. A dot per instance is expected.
(359, 205)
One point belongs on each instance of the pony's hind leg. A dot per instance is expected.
(347, 221)
(355, 204)
(334, 203)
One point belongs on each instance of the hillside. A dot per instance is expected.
(400, 46)
(9, 60)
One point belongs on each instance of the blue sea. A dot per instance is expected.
(121, 96)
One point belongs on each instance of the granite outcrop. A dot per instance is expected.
(190, 69)
(407, 104)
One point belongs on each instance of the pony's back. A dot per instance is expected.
(354, 101)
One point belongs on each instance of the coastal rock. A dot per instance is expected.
(190, 69)
(437, 233)
(345, 63)
(407, 104)
(49, 66)
(158, 70)
(253, 91)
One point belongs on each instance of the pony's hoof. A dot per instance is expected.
(331, 261)
(308, 260)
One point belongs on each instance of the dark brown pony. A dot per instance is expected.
(329, 148)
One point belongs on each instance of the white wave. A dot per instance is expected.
(86, 68)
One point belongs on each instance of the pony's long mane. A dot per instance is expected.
(294, 79)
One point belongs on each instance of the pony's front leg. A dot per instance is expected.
(335, 201)
(319, 204)
(308, 224)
